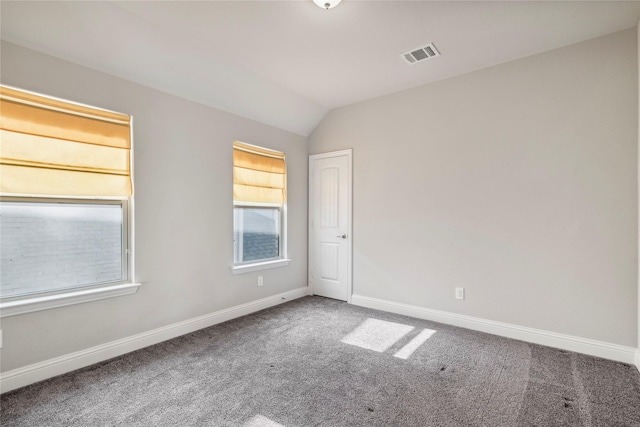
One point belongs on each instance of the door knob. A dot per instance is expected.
(342, 236)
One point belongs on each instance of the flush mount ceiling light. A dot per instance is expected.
(327, 4)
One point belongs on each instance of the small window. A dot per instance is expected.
(256, 234)
(259, 200)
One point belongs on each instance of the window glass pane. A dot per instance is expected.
(256, 234)
(52, 246)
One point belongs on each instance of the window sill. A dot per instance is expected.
(246, 268)
(38, 303)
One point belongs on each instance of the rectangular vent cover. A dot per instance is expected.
(420, 54)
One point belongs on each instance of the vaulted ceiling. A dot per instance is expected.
(287, 63)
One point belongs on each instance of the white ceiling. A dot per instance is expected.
(287, 63)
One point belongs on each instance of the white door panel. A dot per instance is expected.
(329, 261)
(330, 224)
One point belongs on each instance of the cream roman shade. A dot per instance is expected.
(52, 147)
(259, 175)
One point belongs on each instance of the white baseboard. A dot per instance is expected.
(566, 342)
(638, 358)
(26, 375)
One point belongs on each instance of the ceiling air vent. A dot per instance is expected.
(420, 54)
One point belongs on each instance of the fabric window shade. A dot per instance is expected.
(259, 175)
(53, 147)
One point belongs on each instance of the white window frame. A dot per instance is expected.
(256, 265)
(36, 301)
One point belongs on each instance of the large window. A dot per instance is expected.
(52, 245)
(65, 202)
(259, 202)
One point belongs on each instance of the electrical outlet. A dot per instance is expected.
(260, 282)
(459, 293)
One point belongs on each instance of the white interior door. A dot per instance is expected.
(330, 224)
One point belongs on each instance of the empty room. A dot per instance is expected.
(319, 213)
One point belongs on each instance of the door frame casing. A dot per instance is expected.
(311, 264)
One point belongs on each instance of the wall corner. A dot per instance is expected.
(638, 172)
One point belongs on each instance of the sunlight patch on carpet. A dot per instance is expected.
(376, 335)
(406, 351)
(261, 421)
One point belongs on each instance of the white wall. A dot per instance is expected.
(183, 202)
(517, 182)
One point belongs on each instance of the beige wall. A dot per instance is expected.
(517, 182)
(184, 229)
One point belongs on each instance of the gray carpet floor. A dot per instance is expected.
(320, 362)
